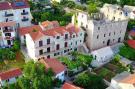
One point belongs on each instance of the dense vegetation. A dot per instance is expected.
(127, 52)
(34, 77)
(89, 81)
(56, 13)
(9, 53)
(79, 60)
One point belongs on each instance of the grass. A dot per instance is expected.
(9, 64)
(127, 52)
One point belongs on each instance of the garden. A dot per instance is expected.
(11, 57)
(127, 52)
(89, 80)
(111, 69)
(78, 61)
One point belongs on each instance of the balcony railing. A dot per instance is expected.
(24, 13)
(9, 38)
(8, 15)
(8, 30)
(25, 19)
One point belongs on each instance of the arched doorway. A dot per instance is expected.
(108, 42)
(119, 39)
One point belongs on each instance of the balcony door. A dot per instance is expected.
(9, 42)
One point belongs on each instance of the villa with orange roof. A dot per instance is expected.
(50, 40)
(57, 67)
(124, 80)
(10, 76)
(70, 86)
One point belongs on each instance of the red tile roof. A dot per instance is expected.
(6, 24)
(54, 64)
(10, 74)
(20, 7)
(26, 30)
(70, 86)
(129, 79)
(50, 32)
(5, 6)
(71, 29)
(35, 35)
(60, 30)
(52, 23)
(131, 43)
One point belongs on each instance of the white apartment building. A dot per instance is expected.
(8, 34)
(104, 28)
(16, 11)
(10, 76)
(51, 40)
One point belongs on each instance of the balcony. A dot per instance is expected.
(8, 15)
(8, 30)
(9, 38)
(45, 46)
(25, 19)
(24, 13)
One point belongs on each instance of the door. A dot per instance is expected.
(57, 47)
(119, 39)
(8, 42)
(108, 42)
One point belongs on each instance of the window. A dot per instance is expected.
(86, 26)
(71, 43)
(121, 13)
(80, 34)
(114, 33)
(113, 39)
(120, 31)
(48, 41)
(81, 23)
(57, 47)
(7, 34)
(65, 51)
(66, 36)
(40, 43)
(58, 37)
(109, 34)
(48, 49)
(73, 36)
(113, 18)
(103, 42)
(66, 44)
(55, 54)
(97, 36)
(40, 52)
(98, 28)
(80, 40)
(48, 56)
(104, 35)
(76, 42)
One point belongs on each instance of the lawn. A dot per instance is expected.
(9, 64)
(127, 52)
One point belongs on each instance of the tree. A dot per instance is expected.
(116, 59)
(131, 24)
(89, 81)
(35, 77)
(92, 8)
